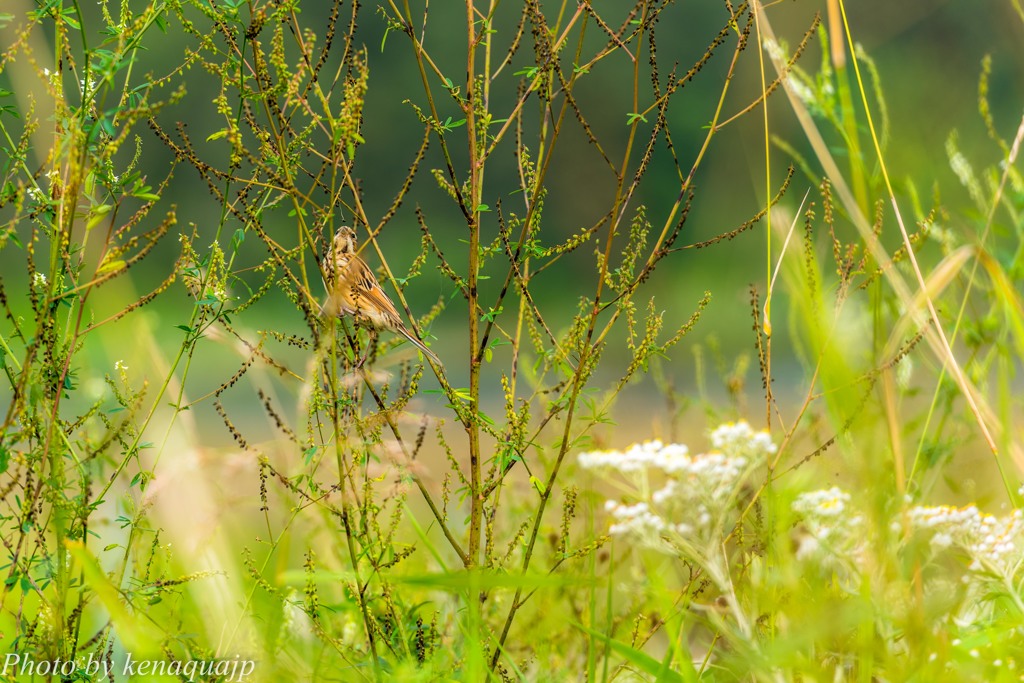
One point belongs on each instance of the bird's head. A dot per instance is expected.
(344, 241)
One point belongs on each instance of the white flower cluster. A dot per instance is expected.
(824, 504)
(639, 521)
(993, 543)
(36, 194)
(829, 522)
(638, 458)
(738, 438)
(697, 491)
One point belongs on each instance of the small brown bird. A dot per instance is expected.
(353, 290)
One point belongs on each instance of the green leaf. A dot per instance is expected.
(462, 393)
(538, 484)
(107, 126)
(140, 480)
(644, 661)
(237, 239)
(110, 266)
(450, 125)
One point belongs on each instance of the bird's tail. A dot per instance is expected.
(419, 345)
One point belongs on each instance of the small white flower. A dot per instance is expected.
(663, 495)
(941, 541)
(39, 279)
(808, 547)
(119, 365)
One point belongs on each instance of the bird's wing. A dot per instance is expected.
(370, 297)
(370, 300)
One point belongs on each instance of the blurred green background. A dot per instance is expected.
(928, 55)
